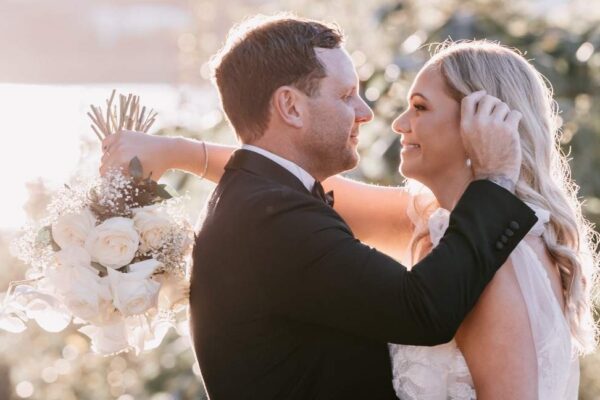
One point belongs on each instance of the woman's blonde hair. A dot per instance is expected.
(545, 178)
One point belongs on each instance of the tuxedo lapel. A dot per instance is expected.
(260, 165)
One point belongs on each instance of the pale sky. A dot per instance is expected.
(41, 131)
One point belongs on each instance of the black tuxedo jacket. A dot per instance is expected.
(287, 304)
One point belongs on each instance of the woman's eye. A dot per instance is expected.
(419, 107)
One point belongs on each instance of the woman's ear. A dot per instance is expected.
(289, 104)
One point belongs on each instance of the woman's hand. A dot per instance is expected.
(154, 152)
(490, 133)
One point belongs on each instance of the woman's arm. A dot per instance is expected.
(159, 154)
(188, 155)
(497, 344)
(376, 214)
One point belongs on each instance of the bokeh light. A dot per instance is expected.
(160, 49)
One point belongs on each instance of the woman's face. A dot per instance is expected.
(430, 130)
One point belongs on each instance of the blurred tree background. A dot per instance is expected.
(388, 41)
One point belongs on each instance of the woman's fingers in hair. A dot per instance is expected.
(513, 118)
(469, 103)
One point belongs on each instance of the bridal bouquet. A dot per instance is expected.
(111, 255)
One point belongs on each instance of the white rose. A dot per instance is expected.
(188, 245)
(152, 223)
(42, 306)
(72, 256)
(73, 229)
(108, 339)
(82, 291)
(174, 291)
(134, 292)
(146, 333)
(9, 321)
(113, 243)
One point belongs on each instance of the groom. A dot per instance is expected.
(285, 302)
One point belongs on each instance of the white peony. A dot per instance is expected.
(82, 291)
(152, 223)
(107, 339)
(113, 243)
(73, 229)
(134, 292)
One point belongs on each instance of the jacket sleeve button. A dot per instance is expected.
(514, 225)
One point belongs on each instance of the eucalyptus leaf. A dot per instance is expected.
(135, 168)
(163, 192)
(44, 238)
(101, 268)
(53, 243)
(124, 269)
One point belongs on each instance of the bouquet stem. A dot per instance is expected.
(128, 116)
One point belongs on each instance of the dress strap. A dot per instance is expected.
(543, 216)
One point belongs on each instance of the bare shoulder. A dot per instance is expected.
(496, 340)
(500, 303)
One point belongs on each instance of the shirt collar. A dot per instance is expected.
(307, 180)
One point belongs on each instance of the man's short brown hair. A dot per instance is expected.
(263, 54)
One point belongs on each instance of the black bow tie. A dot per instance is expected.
(319, 193)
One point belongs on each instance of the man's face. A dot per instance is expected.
(335, 115)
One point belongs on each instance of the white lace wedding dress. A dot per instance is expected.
(441, 372)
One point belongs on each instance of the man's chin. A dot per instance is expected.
(352, 161)
(347, 163)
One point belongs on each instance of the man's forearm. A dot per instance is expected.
(485, 227)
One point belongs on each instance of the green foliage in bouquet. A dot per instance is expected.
(133, 189)
(137, 191)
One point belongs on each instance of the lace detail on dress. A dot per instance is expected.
(431, 373)
(438, 223)
(441, 372)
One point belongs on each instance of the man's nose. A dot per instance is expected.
(363, 112)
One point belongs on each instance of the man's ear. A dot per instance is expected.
(290, 104)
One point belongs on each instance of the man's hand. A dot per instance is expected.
(490, 134)
(153, 152)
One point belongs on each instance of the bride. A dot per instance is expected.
(523, 337)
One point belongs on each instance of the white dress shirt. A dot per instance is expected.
(307, 180)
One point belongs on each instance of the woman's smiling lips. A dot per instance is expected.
(409, 147)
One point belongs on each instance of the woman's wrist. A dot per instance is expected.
(187, 155)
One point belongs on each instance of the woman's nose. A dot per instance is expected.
(401, 124)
